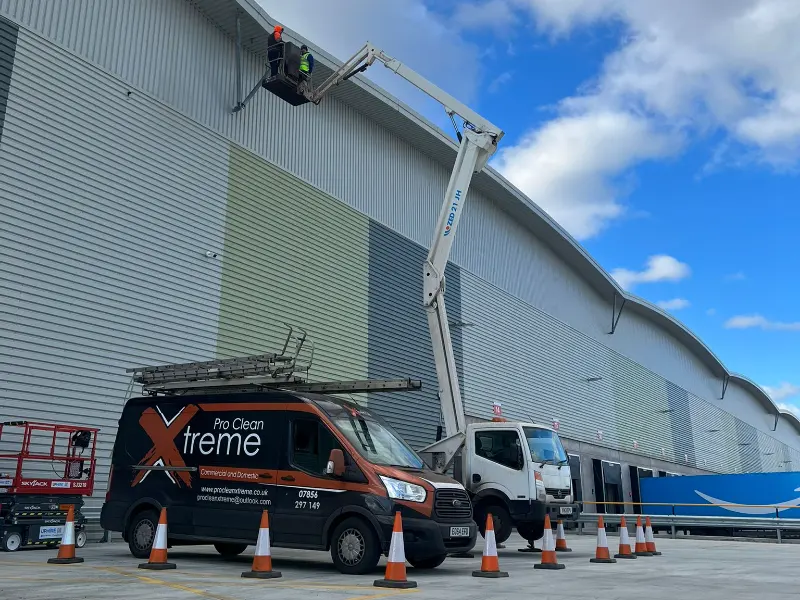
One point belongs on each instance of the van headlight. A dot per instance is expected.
(402, 490)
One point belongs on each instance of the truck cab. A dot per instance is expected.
(518, 472)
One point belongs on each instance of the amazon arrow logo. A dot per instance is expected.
(749, 510)
(163, 432)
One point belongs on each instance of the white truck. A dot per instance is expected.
(516, 471)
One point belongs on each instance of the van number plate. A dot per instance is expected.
(459, 532)
(565, 510)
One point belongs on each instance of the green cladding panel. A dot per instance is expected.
(292, 254)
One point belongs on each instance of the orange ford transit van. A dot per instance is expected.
(331, 473)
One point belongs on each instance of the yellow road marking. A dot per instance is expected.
(385, 594)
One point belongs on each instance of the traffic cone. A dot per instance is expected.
(561, 539)
(624, 541)
(395, 576)
(262, 561)
(66, 550)
(641, 545)
(158, 553)
(650, 541)
(601, 553)
(549, 560)
(490, 565)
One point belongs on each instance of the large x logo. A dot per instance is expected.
(163, 433)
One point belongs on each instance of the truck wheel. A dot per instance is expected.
(531, 531)
(80, 538)
(142, 532)
(501, 521)
(12, 542)
(354, 547)
(230, 550)
(426, 563)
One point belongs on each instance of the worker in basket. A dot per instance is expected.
(275, 49)
(306, 62)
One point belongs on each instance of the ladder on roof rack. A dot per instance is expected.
(253, 373)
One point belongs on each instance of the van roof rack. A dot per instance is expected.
(254, 373)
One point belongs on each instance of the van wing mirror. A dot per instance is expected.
(335, 463)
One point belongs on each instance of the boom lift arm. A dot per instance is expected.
(478, 143)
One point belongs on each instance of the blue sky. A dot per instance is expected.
(664, 136)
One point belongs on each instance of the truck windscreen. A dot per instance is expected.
(375, 441)
(545, 446)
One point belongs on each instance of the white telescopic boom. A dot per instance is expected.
(479, 141)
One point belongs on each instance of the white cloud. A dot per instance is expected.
(499, 15)
(782, 392)
(674, 304)
(682, 69)
(660, 267)
(760, 322)
(566, 166)
(406, 30)
(499, 81)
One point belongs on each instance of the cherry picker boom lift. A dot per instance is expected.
(516, 471)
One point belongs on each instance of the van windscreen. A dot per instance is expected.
(373, 438)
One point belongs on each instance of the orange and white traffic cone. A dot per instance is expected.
(649, 540)
(490, 564)
(262, 561)
(601, 554)
(549, 560)
(66, 550)
(158, 553)
(561, 539)
(395, 576)
(641, 544)
(624, 541)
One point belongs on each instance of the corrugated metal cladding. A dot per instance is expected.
(552, 371)
(107, 236)
(8, 44)
(104, 262)
(170, 50)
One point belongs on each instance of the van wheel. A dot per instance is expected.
(230, 550)
(501, 521)
(142, 532)
(426, 563)
(354, 547)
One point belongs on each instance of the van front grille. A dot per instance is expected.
(452, 505)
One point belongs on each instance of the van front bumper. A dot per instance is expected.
(564, 512)
(424, 538)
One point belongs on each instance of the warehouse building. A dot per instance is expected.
(144, 222)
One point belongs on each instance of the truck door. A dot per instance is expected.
(307, 495)
(496, 457)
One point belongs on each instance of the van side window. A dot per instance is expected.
(311, 445)
(502, 447)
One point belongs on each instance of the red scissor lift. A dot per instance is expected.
(38, 484)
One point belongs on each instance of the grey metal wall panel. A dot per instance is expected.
(681, 424)
(110, 203)
(8, 44)
(170, 50)
(398, 340)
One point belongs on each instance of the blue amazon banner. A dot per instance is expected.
(763, 492)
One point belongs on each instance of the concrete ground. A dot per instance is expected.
(688, 568)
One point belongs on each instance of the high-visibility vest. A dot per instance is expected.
(304, 62)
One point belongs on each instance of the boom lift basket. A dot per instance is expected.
(288, 83)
